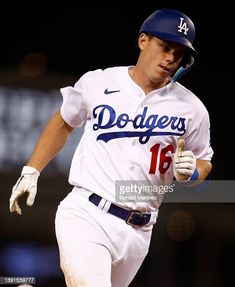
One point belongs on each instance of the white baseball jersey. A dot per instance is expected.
(128, 135)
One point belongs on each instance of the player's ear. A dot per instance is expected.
(142, 40)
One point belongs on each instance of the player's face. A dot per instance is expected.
(159, 59)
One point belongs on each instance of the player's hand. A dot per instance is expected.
(27, 183)
(184, 162)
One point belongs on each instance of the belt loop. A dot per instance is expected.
(102, 203)
(106, 206)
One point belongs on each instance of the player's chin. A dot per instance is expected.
(160, 77)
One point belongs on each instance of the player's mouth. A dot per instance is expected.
(165, 69)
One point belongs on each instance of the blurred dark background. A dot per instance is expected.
(45, 48)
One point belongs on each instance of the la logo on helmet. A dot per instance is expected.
(183, 26)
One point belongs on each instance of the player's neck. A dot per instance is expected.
(144, 82)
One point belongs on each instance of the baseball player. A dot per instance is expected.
(141, 124)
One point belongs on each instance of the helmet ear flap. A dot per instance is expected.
(185, 65)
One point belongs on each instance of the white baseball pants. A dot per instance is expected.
(97, 249)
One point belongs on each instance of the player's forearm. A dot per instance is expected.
(50, 142)
(204, 168)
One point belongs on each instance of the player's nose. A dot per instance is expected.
(170, 56)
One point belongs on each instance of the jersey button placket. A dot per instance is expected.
(133, 150)
(133, 147)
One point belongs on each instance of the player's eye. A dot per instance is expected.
(165, 47)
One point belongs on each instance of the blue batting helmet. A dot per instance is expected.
(170, 25)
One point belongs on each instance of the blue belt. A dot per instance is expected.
(132, 217)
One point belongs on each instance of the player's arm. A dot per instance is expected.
(50, 142)
(204, 168)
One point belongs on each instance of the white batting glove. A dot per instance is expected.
(27, 183)
(184, 162)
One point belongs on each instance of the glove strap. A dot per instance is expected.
(30, 170)
(194, 175)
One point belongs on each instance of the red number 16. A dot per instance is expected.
(164, 159)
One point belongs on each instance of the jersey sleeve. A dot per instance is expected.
(73, 109)
(199, 141)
